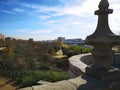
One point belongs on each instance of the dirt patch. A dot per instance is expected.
(8, 84)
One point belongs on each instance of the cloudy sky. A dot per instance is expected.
(49, 19)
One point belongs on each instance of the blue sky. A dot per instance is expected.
(49, 19)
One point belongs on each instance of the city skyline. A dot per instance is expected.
(49, 19)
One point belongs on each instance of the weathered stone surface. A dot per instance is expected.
(27, 88)
(2, 48)
(42, 82)
(77, 64)
(71, 84)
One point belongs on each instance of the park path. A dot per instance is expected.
(7, 84)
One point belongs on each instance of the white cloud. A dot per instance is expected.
(19, 10)
(53, 22)
(77, 9)
(35, 34)
(7, 12)
(77, 20)
(40, 32)
(75, 14)
(44, 17)
(30, 31)
(22, 30)
(27, 5)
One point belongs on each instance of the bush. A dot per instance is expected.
(61, 64)
(51, 76)
(28, 81)
(27, 63)
(76, 49)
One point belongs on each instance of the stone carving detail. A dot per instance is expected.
(103, 56)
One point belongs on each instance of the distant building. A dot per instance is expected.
(30, 40)
(76, 41)
(62, 39)
(72, 41)
(2, 37)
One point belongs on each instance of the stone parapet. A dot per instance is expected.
(78, 63)
(71, 84)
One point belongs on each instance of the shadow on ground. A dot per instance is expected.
(96, 84)
(8, 84)
(92, 84)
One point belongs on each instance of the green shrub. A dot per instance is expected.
(28, 81)
(51, 76)
(56, 76)
(76, 49)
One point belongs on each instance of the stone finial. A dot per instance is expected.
(103, 8)
(103, 4)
